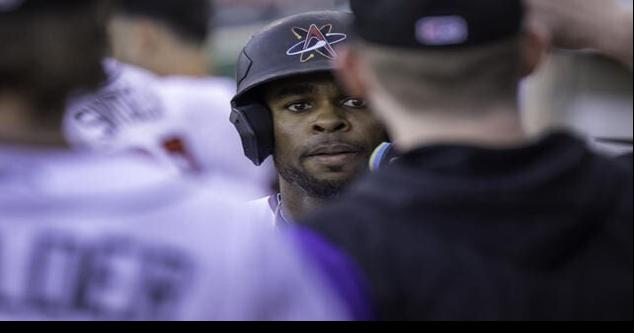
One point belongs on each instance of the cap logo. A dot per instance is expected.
(442, 30)
(315, 40)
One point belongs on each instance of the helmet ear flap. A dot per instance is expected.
(254, 123)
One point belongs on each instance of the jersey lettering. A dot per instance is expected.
(112, 278)
(116, 108)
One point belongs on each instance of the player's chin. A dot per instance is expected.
(335, 173)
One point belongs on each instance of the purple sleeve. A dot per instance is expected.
(340, 272)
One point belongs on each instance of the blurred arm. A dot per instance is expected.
(603, 25)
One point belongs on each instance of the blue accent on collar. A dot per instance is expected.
(379, 155)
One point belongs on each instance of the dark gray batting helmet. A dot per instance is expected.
(296, 45)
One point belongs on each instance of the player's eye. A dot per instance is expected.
(355, 103)
(299, 107)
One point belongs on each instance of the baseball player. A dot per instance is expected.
(88, 236)
(290, 106)
(179, 117)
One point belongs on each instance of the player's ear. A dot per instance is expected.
(349, 72)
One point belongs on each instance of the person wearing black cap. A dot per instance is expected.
(475, 220)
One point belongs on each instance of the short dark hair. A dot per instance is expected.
(188, 18)
(48, 53)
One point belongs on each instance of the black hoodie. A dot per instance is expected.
(542, 232)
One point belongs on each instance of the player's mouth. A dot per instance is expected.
(334, 154)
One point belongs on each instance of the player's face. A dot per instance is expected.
(323, 137)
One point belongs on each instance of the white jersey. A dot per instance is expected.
(86, 237)
(202, 106)
(182, 122)
(129, 99)
(262, 210)
(269, 210)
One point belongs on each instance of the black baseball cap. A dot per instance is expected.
(437, 24)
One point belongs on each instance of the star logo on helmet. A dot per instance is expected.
(315, 40)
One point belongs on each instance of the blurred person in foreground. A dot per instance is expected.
(160, 99)
(92, 237)
(289, 106)
(474, 220)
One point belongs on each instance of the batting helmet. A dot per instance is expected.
(296, 45)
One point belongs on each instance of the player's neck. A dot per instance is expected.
(296, 203)
(497, 132)
(17, 127)
(496, 125)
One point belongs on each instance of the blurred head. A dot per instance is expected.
(438, 54)
(155, 33)
(50, 48)
(290, 106)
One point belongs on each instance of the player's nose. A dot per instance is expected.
(330, 120)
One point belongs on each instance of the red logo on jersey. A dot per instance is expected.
(315, 40)
(177, 149)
